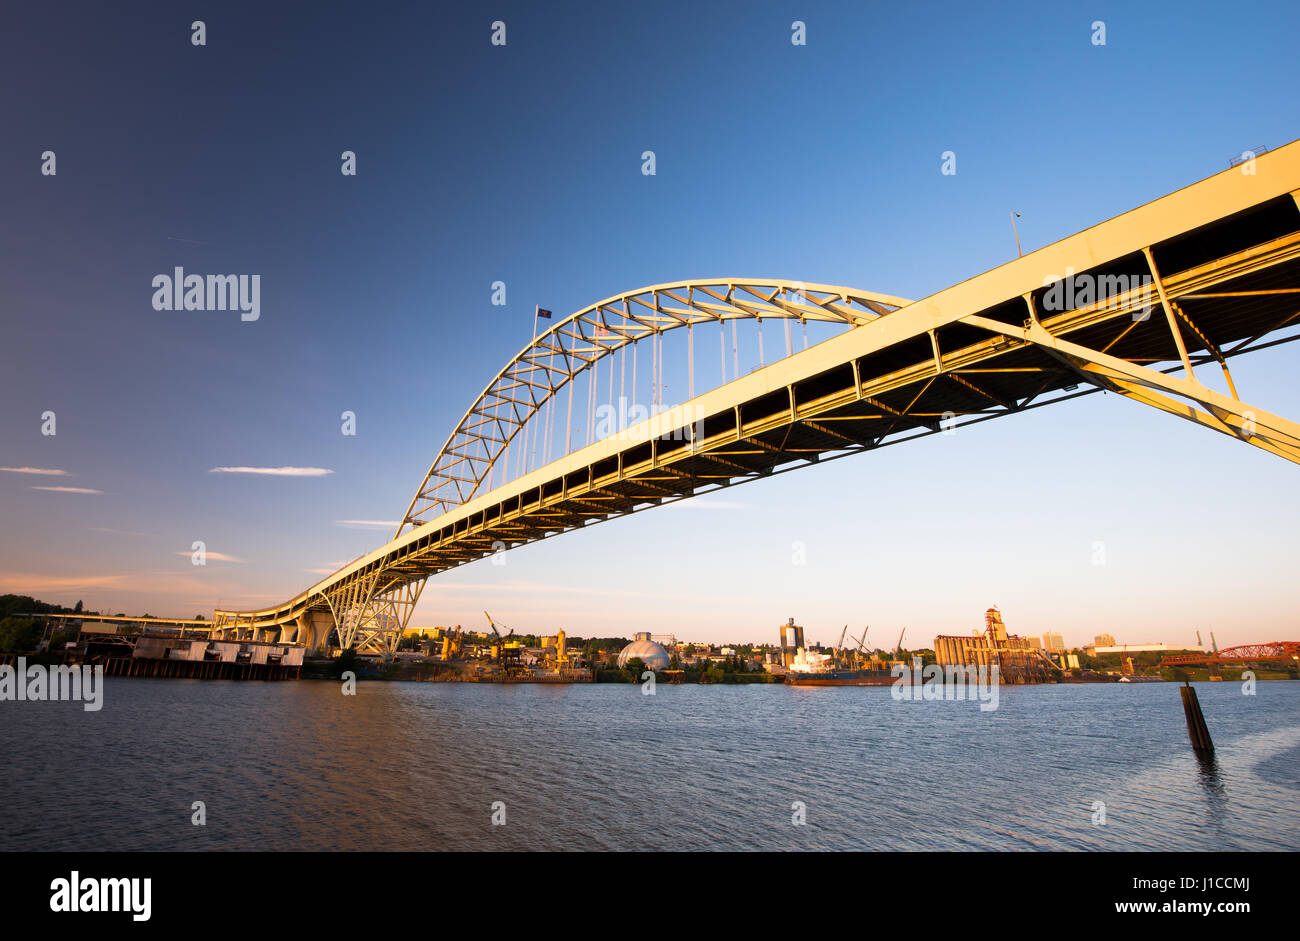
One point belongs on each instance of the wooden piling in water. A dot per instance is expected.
(1197, 731)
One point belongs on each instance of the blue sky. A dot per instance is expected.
(522, 163)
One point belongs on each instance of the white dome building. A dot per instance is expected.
(651, 654)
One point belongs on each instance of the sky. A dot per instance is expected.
(522, 163)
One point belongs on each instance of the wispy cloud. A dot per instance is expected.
(545, 588)
(119, 532)
(147, 582)
(44, 471)
(213, 556)
(329, 568)
(67, 489)
(243, 599)
(366, 524)
(275, 471)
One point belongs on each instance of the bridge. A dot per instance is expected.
(1135, 305)
(1278, 650)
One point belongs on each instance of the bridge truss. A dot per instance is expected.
(1278, 650)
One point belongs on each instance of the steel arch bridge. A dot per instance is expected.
(1133, 305)
(1282, 650)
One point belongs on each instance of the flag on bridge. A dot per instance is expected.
(543, 313)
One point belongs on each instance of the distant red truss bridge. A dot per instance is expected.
(1246, 653)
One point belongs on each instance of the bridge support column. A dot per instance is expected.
(371, 615)
(312, 630)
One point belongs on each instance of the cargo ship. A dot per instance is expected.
(844, 678)
(809, 668)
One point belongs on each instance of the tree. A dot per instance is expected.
(77, 609)
(19, 635)
(348, 660)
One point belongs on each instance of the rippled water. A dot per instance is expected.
(296, 765)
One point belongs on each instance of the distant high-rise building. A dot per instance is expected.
(1054, 642)
(791, 641)
(1034, 643)
(1104, 640)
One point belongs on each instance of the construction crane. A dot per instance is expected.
(839, 648)
(859, 652)
(504, 653)
(501, 641)
(898, 651)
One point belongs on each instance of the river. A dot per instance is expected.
(420, 766)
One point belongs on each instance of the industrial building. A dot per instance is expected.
(651, 654)
(173, 654)
(1094, 650)
(1017, 661)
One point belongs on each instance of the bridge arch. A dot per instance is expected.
(578, 342)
